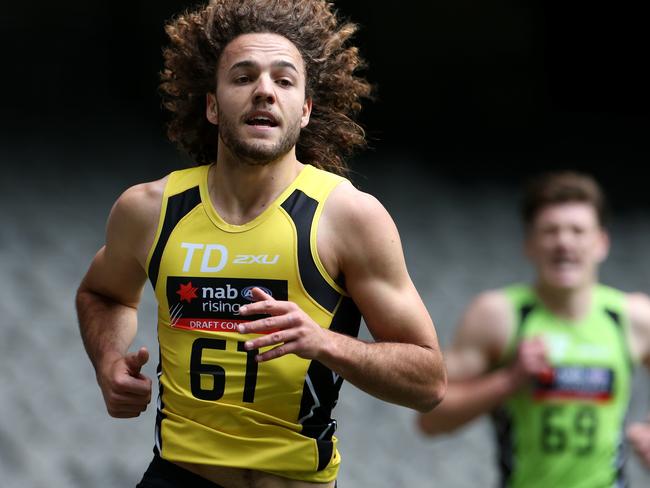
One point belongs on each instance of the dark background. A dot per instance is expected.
(472, 98)
(472, 89)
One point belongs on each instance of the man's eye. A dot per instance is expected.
(284, 82)
(242, 79)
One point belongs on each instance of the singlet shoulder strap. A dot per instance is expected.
(613, 303)
(181, 195)
(523, 302)
(304, 206)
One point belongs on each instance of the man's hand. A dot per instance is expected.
(288, 326)
(127, 392)
(532, 361)
(638, 434)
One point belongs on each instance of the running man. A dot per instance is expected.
(553, 361)
(263, 259)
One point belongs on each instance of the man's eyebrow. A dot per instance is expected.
(243, 64)
(285, 64)
(276, 64)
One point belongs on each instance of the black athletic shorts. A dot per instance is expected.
(163, 474)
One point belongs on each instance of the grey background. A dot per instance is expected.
(460, 237)
(471, 97)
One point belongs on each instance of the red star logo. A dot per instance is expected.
(187, 292)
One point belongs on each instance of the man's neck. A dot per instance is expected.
(240, 192)
(569, 303)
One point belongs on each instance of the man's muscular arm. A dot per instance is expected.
(108, 296)
(405, 365)
(638, 433)
(474, 389)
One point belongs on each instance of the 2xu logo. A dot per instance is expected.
(214, 257)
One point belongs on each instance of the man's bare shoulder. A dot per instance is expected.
(482, 336)
(134, 218)
(357, 231)
(492, 305)
(638, 307)
(487, 322)
(141, 202)
(350, 206)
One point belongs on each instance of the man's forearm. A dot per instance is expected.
(107, 327)
(405, 374)
(467, 400)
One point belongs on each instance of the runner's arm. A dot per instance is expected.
(475, 388)
(110, 291)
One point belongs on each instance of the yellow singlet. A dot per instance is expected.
(217, 405)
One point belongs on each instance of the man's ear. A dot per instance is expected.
(211, 108)
(306, 112)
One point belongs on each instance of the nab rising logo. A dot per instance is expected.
(247, 292)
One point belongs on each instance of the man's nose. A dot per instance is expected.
(565, 238)
(264, 91)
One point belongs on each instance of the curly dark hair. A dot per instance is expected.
(198, 37)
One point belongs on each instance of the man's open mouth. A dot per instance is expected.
(263, 120)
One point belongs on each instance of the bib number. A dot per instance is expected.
(581, 430)
(199, 369)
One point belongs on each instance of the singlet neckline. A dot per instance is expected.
(573, 323)
(234, 228)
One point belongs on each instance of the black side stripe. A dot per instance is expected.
(618, 322)
(178, 206)
(524, 312)
(503, 431)
(325, 451)
(301, 209)
(321, 388)
(347, 318)
(615, 316)
(160, 416)
(503, 423)
(320, 391)
(620, 478)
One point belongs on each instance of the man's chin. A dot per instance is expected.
(565, 281)
(257, 155)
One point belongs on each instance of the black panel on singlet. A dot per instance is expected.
(501, 419)
(160, 416)
(301, 209)
(178, 206)
(618, 322)
(321, 389)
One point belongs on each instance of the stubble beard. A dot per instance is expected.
(254, 154)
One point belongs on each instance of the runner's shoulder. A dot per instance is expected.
(139, 205)
(354, 209)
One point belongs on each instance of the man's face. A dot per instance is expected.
(260, 103)
(566, 244)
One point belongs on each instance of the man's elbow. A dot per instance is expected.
(436, 393)
(81, 297)
(430, 424)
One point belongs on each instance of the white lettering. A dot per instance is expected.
(273, 261)
(255, 259)
(191, 247)
(227, 292)
(211, 324)
(231, 292)
(205, 263)
(232, 308)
